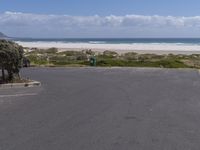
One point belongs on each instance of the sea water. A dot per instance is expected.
(173, 44)
(191, 41)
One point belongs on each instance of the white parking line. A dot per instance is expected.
(18, 95)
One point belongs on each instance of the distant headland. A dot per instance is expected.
(2, 35)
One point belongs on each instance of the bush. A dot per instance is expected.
(130, 56)
(51, 50)
(110, 54)
(11, 56)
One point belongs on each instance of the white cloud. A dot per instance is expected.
(27, 24)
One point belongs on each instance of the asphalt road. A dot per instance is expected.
(102, 109)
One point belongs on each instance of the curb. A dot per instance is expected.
(20, 85)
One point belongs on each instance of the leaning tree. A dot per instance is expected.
(11, 55)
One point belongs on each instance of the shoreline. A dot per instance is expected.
(119, 48)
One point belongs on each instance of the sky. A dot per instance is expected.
(100, 18)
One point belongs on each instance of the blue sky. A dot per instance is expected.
(100, 18)
(104, 7)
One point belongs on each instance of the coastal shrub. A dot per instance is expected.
(11, 56)
(38, 59)
(193, 63)
(123, 63)
(61, 58)
(68, 63)
(146, 57)
(82, 57)
(88, 52)
(71, 53)
(132, 63)
(171, 64)
(35, 51)
(32, 57)
(111, 54)
(130, 56)
(42, 51)
(52, 50)
(110, 58)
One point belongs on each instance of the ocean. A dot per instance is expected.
(178, 41)
(117, 44)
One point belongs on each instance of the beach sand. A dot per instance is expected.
(119, 48)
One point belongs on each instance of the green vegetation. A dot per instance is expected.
(52, 57)
(11, 56)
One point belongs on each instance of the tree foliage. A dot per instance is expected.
(11, 55)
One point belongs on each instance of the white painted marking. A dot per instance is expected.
(18, 95)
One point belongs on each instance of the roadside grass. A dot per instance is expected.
(132, 63)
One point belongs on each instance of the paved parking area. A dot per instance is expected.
(102, 109)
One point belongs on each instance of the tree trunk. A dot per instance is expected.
(3, 73)
(10, 75)
(19, 76)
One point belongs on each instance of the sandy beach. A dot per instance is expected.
(119, 48)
